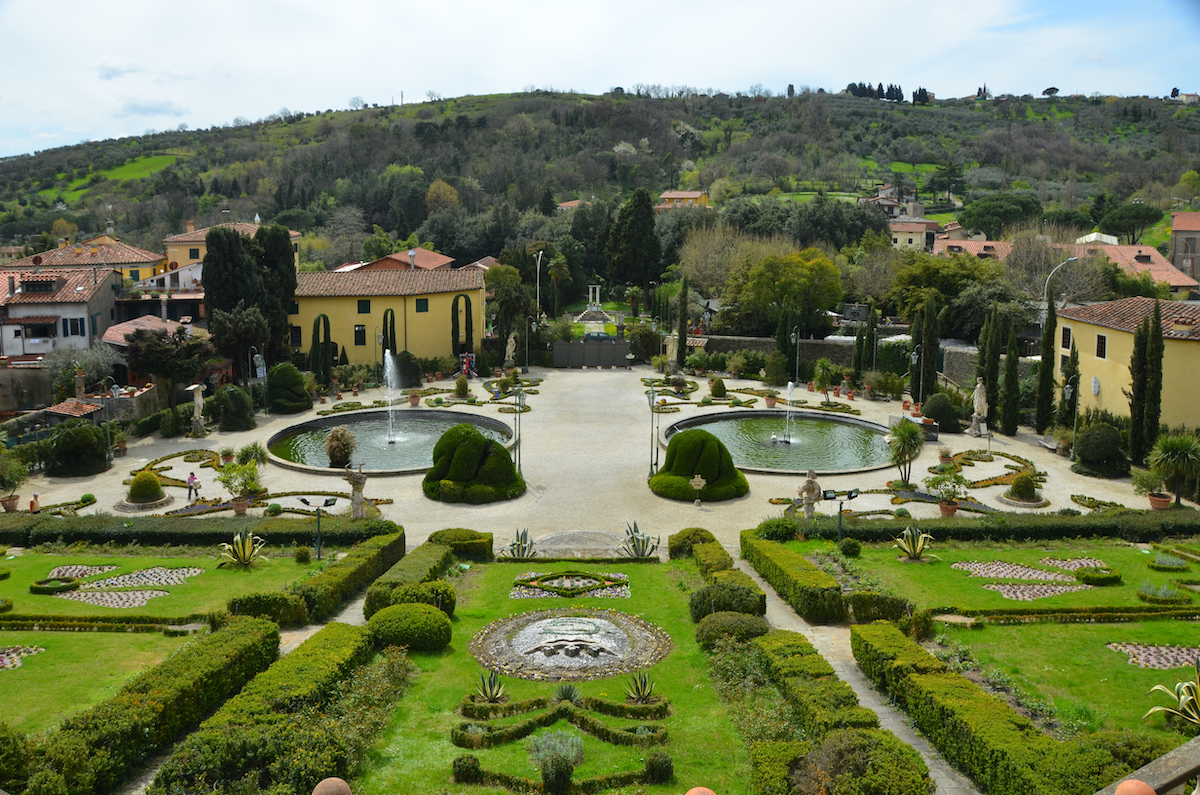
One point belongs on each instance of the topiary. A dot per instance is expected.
(145, 487)
(466, 543)
(438, 593)
(460, 386)
(680, 544)
(850, 547)
(464, 459)
(723, 599)
(235, 407)
(285, 390)
(1023, 488)
(339, 446)
(77, 447)
(939, 409)
(739, 626)
(697, 452)
(274, 509)
(660, 769)
(1099, 450)
(408, 367)
(466, 770)
(902, 513)
(781, 528)
(418, 626)
(718, 388)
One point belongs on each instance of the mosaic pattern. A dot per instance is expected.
(540, 585)
(1071, 564)
(1027, 593)
(1157, 656)
(10, 656)
(998, 569)
(75, 572)
(118, 599)
(157, 575)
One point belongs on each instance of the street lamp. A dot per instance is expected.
(650, 400)
(1053, 271)
(329, 501)
(250, 375)
(379, 347)
(830, 494)
(796, 344)
(915, 387)
(520, 409)
(107, 426)
(1069, 390)
(532, 328)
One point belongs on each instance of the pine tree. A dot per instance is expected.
(1137, 393)
(1154, 376)
(1066, 407)
(1010, 410)
(1044, 414)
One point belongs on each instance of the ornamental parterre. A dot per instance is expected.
(569, 584)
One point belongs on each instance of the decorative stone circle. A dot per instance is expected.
(77, 572)
(10, 656)
(331, 786)
(1027, 593)
(541, 585)
(1000, 570)
(157, 575)
(569, 645)
(1161, 657)
(118, 599)
(1071, 564)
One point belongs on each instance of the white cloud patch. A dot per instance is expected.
(150, 108)
(111, 71)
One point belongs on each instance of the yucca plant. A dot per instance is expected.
(490, 689)
(913, 542)
(638, 544)
(522, 546)
(1187, 699)
(245, 550)
(640, 689)
(568, 692)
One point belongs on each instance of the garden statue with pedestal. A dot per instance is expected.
(979, 408)
(357, 481)
(197, 391)
(510, 350)
(810, 492)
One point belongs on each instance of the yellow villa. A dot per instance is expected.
(103, 252)
(189, 248)
(1103, 335)
(424, 303)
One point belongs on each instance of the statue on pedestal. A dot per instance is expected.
(979, 407)
(510, 351)
(357, 481)
(197, 391)
(810, 492)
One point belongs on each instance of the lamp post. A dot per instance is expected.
(1069, 390)
(796, 344)
(830, 494)
(520, 410)
(650, 400)
(532, 328)
(107, 426)
(657, 336)
(914, 359)
(378, 351)
(250, 375)
(1053, 271)
(328, 502)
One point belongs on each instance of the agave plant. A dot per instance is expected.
(522, 546)
(1187, 699)
(568, 692)
(245, 550)
(638, 544)
(913, 542)
(490, 688)
(640, 689)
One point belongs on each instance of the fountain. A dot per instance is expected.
(788, 412)
(391, 380)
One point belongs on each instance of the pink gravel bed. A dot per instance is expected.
(1071, 564)
(1157, 656)
(76, 571)
(1027, 593)
(10, 656)
(998, 569)
(117, 599)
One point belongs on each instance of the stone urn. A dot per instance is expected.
(239, 505)
(771, 401)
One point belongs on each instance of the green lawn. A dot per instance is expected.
(415, 752)
(76, 670)
(200, 594)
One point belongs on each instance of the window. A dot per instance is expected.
(1189, 245)
(17, 333)
(1063, 360)
(193, 253)
(294, 309)
(135, 274)
(364, 306)
(1101, 346)
(295, 248)
(294, 339)
(95, 323)
(360, 335)
(422, 304)
(72, 326)
(1066, 337)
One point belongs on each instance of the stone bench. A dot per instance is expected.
(1049, 442)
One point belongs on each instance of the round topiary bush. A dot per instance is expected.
(438, 593)
(698, 452)
(781, 528)
(850, 547)
(1023, 488)
(339, 445)
(77, 447)
(939, 409)
(418, 626)
(145, 487)
(408, 367)
(902, 513)
(723, 599)
(285, 390)
(460, 387)
(718, 388)
(466, 770)
(680, 544)
(1099, 451)
(739, 626)
(234, 403)
(469, 467)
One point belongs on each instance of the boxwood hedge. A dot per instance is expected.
(467, 544)
(815, 595)
(424, 563)
(697, 452)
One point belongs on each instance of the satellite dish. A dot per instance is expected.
(173, 265)
(37, 260)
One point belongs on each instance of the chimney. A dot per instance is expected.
(12, 285)
(191, 226)
(78, 248)
(412, 258)
(94, 249)
(79, 392)
(62, 242)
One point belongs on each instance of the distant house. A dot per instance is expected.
(11, 254)
(103, 252)
(413, 259)
(424, 303)
(675, 199)
(1185, 231)
(918, 233)
(189, 248)
(1103, 335)
(47, 309)
(571, 205)
(956, 231)
(895, 202)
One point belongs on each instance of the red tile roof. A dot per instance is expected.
(31, 320)
(1127, 313)
(387, 282)
(569, 205)
(1185, 222)
(912, 226)
(79, 285)
(115, 335)
(681, 194)
(1131, 259)
(425, 259)
(199, 235)
(72, 408)
(111, 255)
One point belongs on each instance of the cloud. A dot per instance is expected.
(144, 108)
(110, 71)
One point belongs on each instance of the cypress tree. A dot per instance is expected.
(991, 375)
(230, 273)
(1010, 410)
(917, 329)
(856, 361)
(276, 261)
(681, 348)
(1154, 375)
(1044, 415)
(981, 347)
(932, 344)
(1066, 407)
(1137, 393)
(872, 338)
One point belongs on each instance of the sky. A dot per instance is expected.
(73, 71)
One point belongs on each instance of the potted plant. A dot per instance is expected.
(226, 454)
(120, 442)
(1152, 484)
(949, 487)
(241, 481)
(906, 405)
(945, 456)
(414, 398)
(12, 474)
(771, 397)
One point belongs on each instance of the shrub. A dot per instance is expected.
(1099, 449)
(718, 388)
(850, 547)
(409, 369)
(1098, 576)
(739, 626)
(660, 768)
(777, 369)
(364, 563)
(779, 529)
(465, 543)
(556, 774)
(14, 759)
(466, 770)
(460, 386)
(712, 599)
(145, 487)
(420, 627)
(680, 545)
(235, 408)
(697, 452)
(302, 555)
(339, 446)
(863, 762)
(939, 409)
(557, 742)
(285, 390)
(902, 513)
(469, 467)
(285, 609)
(711, 557)
(424, 563)
(1023, 488)
(77, 447)
(274, 509)
(438, 593)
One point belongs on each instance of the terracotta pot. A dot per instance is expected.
(228, 459)
(354, 392)
(1158, 501)
(322, 398)
(837, 391)
(948, 509)
(239, 505)
(945, 461)
(850, 394)
(10, 502)
(771, 401)
(812, 387)
(414, 400)
(437, 376)
(339, 395)
(906, 405)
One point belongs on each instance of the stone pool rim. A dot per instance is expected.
(797, 414)
(340, 417)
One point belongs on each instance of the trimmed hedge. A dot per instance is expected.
(285, 609)
(493, 735)
(424, 563)
(815, 595)
(95, 750)
(325, 592)
(438, 593)
(711, 557)
(865, 762)
(772, 760)
(739, 626)
(867, 606)
(467, 544)
(679, 545)
(726, 599)
(1098, 576)
(417, 626)
(697, 452)
(484, 710)
(736, 577)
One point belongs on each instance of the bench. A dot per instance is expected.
(1049, 442)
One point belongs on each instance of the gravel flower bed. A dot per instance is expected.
(10, 656)
(1157, 656)
(1000, 570)
(158, 575)
(1027, 593)
(1071, 564)
(116, 599)
(76, 572)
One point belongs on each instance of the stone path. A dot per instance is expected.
(833, 642)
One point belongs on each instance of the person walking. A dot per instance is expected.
(193, 484)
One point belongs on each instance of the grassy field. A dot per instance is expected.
(76, 670)
(415, 753)
(200, 594)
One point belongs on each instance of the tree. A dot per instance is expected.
(560, 277)
(948, 178)
(992, 214)
(378, 245)
(991, 376)
(1044, 413)
(509, 297)
(1010, 401)
(840, 224)
(633, 248)
(1066, 407)
(681, 348)
(320, 355)
(440, 196)
(807, 281)
(1049, 92)
(1176, 456)
(930, 345)
(230, 273)
(1130, 220)
(1154, 376)
(234, 332)
(547, 205)
(176, 358)
(635, 298)
(905, 444)
(357, 103)
(277, 262)
(1137, 393)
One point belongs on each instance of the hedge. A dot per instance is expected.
(725, 598)
(679, 545)
(711, 557)
(117, 735)
(735, 577)
(815, 595)
(416, 626)
(424, 563)
(285, 609)
(325, 592)
(500, 735)
(727, 624)
(772, 761)
(438, 593)
(486, 710)
(466, 544)
(468, 771)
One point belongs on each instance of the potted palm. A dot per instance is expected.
(949, 487)
(1176, 456)
(12, 474)
(241, 481)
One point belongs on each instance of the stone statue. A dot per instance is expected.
(810, 492)
(980, 406)
(510, 350)
(357, 481)
(197, 391)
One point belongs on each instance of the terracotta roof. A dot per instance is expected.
(1185, 222)
(485, 263)
(1127, 313)
(425, 259)
(387, 282)
(911, 226)
(198, 235)
(79, 285)
(72, 408)
(569, 205)
(110, 255)
(976, 248)
(681, 194)
(115, 335)
(31, 320)
(1131, 259)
